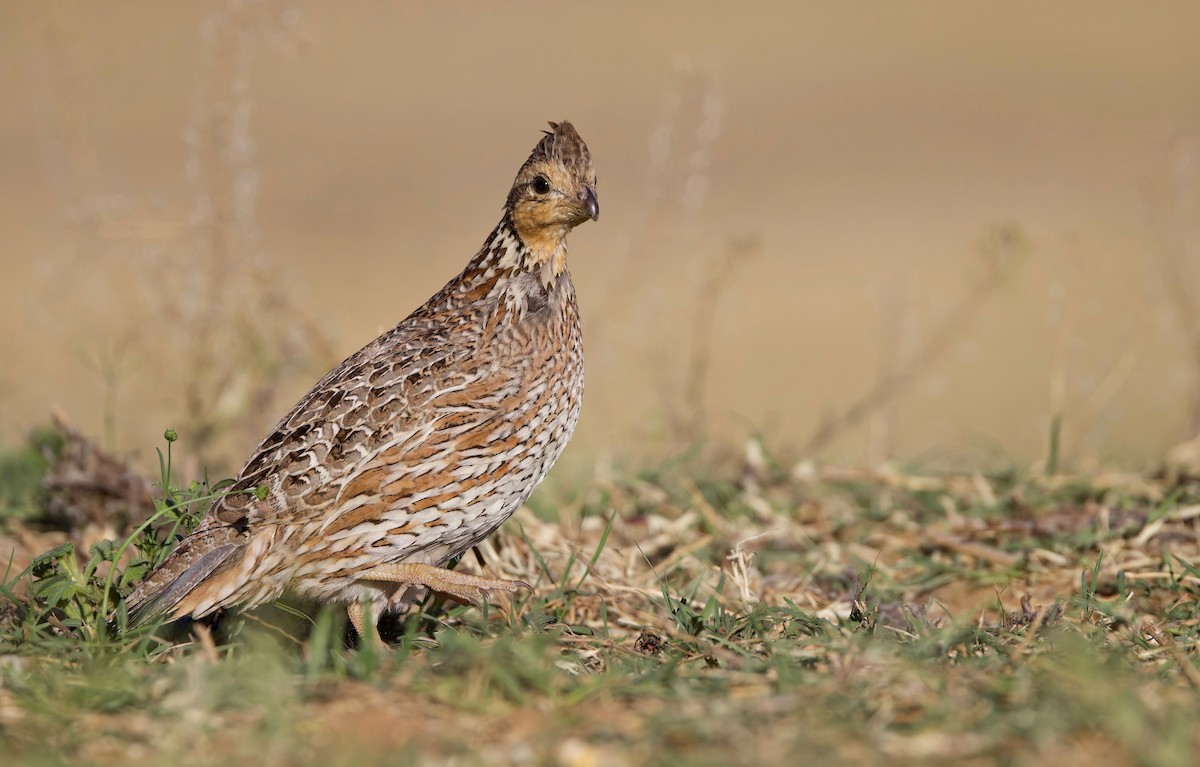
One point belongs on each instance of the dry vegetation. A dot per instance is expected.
(726, 607)
(732, 613)
(183, 306)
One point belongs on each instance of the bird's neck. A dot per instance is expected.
(507, 253)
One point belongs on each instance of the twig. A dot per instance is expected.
(691, 423)
(999, 252)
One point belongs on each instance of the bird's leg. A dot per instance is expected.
(358, 613)
(355, 611)
(461, 586)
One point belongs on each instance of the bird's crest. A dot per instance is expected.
(563, 147)
(563, 144)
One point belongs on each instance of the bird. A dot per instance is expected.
(418, 446)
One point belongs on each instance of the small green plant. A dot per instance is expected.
(851, 634)
(77, 599)
(22, 471)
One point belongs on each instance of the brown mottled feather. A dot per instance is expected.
(423, 442)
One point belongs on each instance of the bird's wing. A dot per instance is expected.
(376, 409)
(293, 475)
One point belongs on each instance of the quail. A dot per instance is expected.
(419, 445)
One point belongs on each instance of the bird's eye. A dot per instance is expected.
(541, 185)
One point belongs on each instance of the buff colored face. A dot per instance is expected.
(554, 197)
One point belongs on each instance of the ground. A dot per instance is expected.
(724, 608)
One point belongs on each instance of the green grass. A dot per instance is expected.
(698, 613)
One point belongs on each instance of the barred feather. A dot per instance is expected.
(423, 442)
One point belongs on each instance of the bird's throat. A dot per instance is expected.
(537, 250)
(545, 250)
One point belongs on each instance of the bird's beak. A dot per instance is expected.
(590, 203)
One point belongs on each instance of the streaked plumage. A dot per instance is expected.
(421, 444)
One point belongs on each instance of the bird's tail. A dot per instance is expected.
(194, 562)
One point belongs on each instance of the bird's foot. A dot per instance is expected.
(462, 587)
(359, 614)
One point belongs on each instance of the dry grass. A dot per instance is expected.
(711, 614)
(185, 309)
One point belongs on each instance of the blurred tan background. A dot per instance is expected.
(931, 228)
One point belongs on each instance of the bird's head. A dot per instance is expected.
(554, 191)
